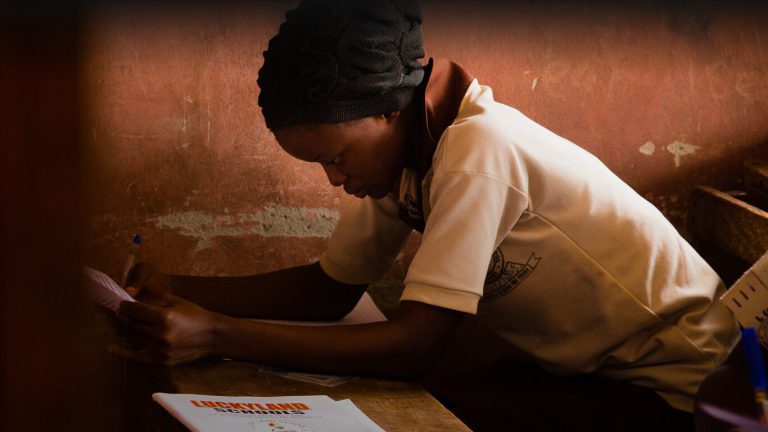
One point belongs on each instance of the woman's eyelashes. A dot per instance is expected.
(334, 161)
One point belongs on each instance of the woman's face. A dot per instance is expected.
(364, 156)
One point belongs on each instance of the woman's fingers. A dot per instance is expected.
(138, 355)
(152, 321)
(153, 355)
(145, 281)
(138, 312)
(173, 332)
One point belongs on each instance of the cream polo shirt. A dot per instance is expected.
(550, 248)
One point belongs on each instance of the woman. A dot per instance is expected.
(520, 226)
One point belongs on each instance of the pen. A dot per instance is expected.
(134, 249)
(756, 368)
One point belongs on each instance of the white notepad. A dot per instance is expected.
(204, 413)
(104, 290)
(365, 311)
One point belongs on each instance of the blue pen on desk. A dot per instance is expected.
(756, 368)
(134, 249)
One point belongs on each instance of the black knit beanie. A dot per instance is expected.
(339, 60)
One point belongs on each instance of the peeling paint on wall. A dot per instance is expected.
(680, 149)
(272, 221)
(648, 148)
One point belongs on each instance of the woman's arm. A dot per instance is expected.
(296, 293)
(177, 331)
(403, 347)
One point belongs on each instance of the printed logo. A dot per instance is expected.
(278, 426)
(503, 276)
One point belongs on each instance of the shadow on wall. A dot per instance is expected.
(51, 377)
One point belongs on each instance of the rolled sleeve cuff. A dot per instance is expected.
(342, 274)
(446, 298)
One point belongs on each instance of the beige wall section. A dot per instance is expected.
(177, 150)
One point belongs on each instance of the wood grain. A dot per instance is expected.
(729, 223)
(393, 405)
(756, 183)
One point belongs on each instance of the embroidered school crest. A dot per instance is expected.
(503, 276)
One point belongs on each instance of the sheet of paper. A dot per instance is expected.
(355, 411)
(319, 379)
(747, 298)
(202, 413)
(740, 422)
(364, 312)
(760, 269)
(104, 290)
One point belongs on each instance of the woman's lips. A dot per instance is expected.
(360, 193)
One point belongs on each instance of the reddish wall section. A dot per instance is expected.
(177, 149)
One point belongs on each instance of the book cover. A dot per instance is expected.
(204, 413)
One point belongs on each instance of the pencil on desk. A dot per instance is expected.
(756, 368)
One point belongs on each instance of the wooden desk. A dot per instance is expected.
(415, 408)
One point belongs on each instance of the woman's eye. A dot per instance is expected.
(335, 161)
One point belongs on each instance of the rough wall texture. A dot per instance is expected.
(667, 94)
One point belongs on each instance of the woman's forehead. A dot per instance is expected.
(328, 132)
(308, 142)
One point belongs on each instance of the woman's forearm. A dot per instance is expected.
(402, 348)
(297, 293)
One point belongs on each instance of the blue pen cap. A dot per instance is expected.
(137, 239)
(754, 357)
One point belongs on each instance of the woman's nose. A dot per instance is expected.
(335, 176)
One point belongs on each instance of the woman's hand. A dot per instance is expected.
(171, 330)
(146, 282)
(162, 328)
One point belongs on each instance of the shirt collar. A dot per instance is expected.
(444, 87)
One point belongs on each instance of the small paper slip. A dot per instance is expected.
(104, 290)
(747, 298)
(203, 413)
(739, 421)
(364, 312)
(319, 379)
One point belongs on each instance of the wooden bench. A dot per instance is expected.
(730, 229)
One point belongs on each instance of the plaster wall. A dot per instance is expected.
(667, 94)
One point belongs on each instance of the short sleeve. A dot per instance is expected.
(471, 214)
(366, 241)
